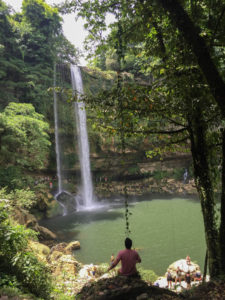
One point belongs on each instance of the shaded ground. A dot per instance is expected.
(123, 288)
(213, 290)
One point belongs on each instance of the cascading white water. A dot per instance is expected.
(84, 152)
(57, 147)
(57, 150)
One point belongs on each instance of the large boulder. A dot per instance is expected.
(65, 264)
(182, 264)
(59, 247)
(29, 220)
(45, 234)
(54, 209)
(72, 246)
(66, 248)
(123, 288)
(54, 256)
(25, 218)
(40, 250)
(68, 201)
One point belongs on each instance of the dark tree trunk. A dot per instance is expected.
(197, 43)
(204, 184)
(222, 210)
(205, 266)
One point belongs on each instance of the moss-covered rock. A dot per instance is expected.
(40, 250)
(72, 246)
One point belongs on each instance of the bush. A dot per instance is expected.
(21, 198)
(178, 174)
(134, 170)
(11, 177)
(159, 175)
(9, 281)
(147, 275)
(16, 260)
(33, 274)
(14, 177)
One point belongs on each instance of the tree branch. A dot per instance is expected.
(191, 35)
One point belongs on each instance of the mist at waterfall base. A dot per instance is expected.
(162, 230)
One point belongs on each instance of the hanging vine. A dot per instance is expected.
(120, 49)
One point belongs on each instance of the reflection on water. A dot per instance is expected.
(68, 226)
(162, 230)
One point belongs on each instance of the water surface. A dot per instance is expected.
(162, 230)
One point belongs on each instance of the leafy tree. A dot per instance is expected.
(24, 138)
(30, 43)
(185, 99)
(11, 63)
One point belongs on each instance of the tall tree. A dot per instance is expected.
(188, 83)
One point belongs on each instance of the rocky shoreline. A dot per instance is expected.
(94, 282)
(166, 187)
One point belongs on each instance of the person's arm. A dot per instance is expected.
(116, 261)
(138, 258)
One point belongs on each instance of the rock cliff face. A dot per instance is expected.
(146, 186)
(144, 176)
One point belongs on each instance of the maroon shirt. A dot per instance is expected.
(128, 259)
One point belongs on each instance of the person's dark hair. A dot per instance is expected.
(128, 243)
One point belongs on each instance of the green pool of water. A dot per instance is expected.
(162, 230)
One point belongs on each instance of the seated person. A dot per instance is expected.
(112, 258)
(128, 258)
(198, 275)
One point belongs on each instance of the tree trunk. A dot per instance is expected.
(197, 43)
(205, 266)
(222, 209)
(204, 184)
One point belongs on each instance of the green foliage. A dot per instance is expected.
(159, 175)
(9, 281)
(11, 177)
(178, 173)
(16, 260)
(102, 268)
(61, 296)
(24, 199)
(147, 275)
(23, 136)
(133, 170)
(30, 43)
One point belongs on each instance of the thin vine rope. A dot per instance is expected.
(120, 56)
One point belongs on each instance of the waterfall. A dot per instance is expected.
(84, 156)
(57, 147)
(57, 150)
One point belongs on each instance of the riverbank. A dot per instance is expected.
(146, 186)
(93, 282)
